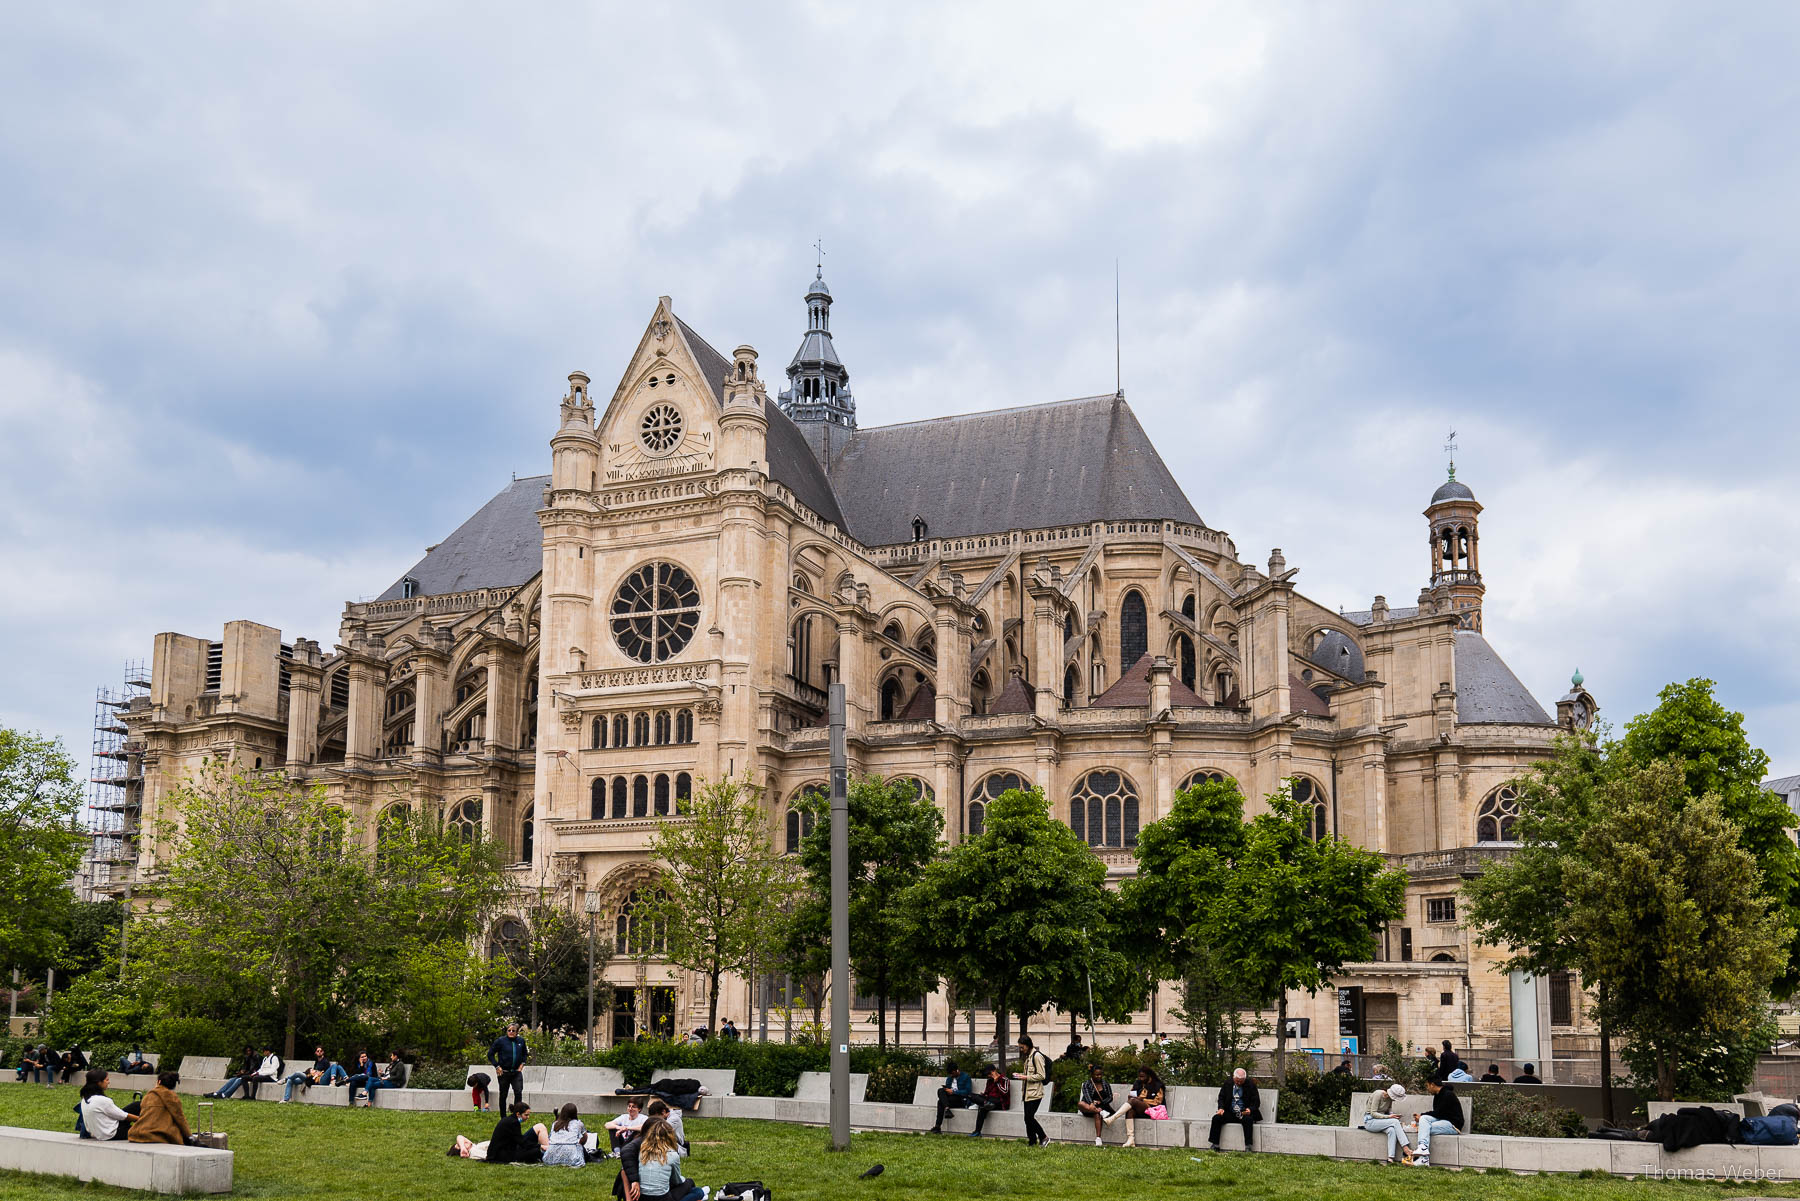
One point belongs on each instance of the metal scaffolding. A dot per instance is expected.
(115, 789)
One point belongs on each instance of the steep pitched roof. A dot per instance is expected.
(922, 706)
(500, 546)
(1063, 463)
(1304, 699)
(1132, 690)
(1015, 697)
(1486, 688)
(713, 365)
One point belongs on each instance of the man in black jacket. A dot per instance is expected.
(1448, 1062)
(1446, 1117)
(1239, 1102)
(508, 1056)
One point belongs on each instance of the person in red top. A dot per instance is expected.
(997, 1095)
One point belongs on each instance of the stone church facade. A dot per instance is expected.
(1016, 597)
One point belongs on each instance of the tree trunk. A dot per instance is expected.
(1606, 1096)
(881, 1008)
(712, 1000)
(1071, 1025)
(534, 1003)
(1000, 1039)
(293, 1024)
(1665, 1076)
(1281, 1040)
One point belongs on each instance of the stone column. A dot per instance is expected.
(366, 665)
(306, 680)
(431, 694)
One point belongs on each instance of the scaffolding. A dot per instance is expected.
(115, 791)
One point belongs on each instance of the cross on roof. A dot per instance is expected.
(819, 245)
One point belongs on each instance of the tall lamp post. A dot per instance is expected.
(592, 905)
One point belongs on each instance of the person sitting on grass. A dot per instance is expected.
(997, 1095)
(659, 1168)
(957, 1092)
(1381, 1120)
(1096, 1099)
(626, 1126)
(101, 1116)
(1239, 1102)
(1492, 1075)
(247, 1069)
(73, 1062)
(1144, 1101)
(160, 1116)
(1445, 1118)
(1528, 1076)
(659, 1108)
(323, 1070)
(514, 1142)
(568, 1140)
(367, 1076)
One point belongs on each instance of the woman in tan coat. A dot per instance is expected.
(160, 1117)
(1034, 1069)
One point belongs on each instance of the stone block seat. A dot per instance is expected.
(816, 1086)
(1004, 1123)
(1354, 1142)
(1657, 1109)
(719, 1082)
(1194, 1106)
(151, 1167)
(810, 1104)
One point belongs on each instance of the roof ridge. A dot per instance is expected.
(1042, 404)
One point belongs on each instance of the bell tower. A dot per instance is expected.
(1454, 517)
(818, 397)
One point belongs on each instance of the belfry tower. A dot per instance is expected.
(1454, 514)
(817, 397)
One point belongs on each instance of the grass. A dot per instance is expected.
(330, 1154)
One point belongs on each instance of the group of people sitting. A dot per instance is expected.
(958, 1092)
(1446, 1116)
(648, 1141)
(267, 1067)
(156, 1118)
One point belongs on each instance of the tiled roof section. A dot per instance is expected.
(1486, 688)
(1782, 785)
(1303, 699)
(1364, 617)
(500, 546)
(1132, 690)
(713, 365)
(922, 706)
(1063, 463)
(1014, 698)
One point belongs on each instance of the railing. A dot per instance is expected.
(801, 692)
(1456, 859)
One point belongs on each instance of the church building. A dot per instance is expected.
(1017, 597)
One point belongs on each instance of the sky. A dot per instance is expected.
(288, 291)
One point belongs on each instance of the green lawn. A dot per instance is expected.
(308, 1151)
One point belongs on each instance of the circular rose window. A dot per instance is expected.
(655, 612)
(660, 430)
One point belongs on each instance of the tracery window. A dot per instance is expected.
(621, 730)
(1134, 630)
(528, 833)
(1103, 810)
(1195, 779)
(655, 612)
(1494, 820)
(465, 819)
(986, 792)
(684, 726)
(800, 820)
(915, 786)
(636, 932)
(599, 733)
(1312, 804)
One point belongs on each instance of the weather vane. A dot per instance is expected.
(1450, 449)
(819, 245)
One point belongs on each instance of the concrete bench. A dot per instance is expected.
(592, 1082)
(152, 1167)
(1196, 1104)
(211, 1067)
(718, 1082)
(532, 1074)
(1407, 1109)
(1006, 1123)
(816, 1086)
(1657, 1109)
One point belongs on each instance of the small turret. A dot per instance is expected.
(1454, 517)
(818, 397)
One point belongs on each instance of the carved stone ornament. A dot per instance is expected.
(571, 721)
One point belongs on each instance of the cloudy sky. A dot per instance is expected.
(286, 293)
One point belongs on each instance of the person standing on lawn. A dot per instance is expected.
(1034, 1069)
(1239, 1102)
(1096, 1099)
(508, 1055)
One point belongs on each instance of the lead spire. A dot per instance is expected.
(818, 397)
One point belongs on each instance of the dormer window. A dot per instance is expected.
(409, 588)
(920, 529)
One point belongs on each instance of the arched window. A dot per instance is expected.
(978, 690)
(1104, 810)
(800, 819)
(465, 818)
(640, 729)
(1312, 804)
(890, 698)
(1187, 606)
(926, 644)
(599, 733)
(399, 701)
(975, 814)
(621, 730)
(618, 793)
(684, 726)
(801, 649)
(662, 795)
(1494, 821)
(684, 791)
(664, 727)
(597, 799)
(915, 787)
(893, 632)
(1071, 682)
(528, 833)
(640, 796)
(1184, 654)
(636, 932)
(1195, 779)
(1134, 630)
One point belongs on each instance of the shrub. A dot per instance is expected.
(97, 1009)
(426, 1074)
(177, 1038)
(1524, 1114)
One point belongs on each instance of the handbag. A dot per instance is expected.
(744, 1190)
(1157, 1113)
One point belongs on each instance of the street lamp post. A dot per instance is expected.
(592, 905)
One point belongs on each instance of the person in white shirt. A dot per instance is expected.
(105, 1121)
(625, 1127)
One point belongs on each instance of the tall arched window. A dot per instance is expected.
(528, 833)
(619, 803)
(1195, 779)
(640, 729)
(975, 813)
(1312, 803)
(915, 787)
(1184, 654)
(890, 698)
(390, 829)
(1071, 682)
(640, 796)
(801, 649)
(662, 795)
(621, 730)
(638, 933)
(465, 819)
(664, 727)
(684, 726)
(1494, 821)
(800, 819)
(597, 799)
(1134, 630)
(1104, 809)
(978, 693)
(599, 733)
(684, 791)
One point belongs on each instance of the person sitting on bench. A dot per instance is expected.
(324, 1070)
(1144, 1101)
(73, 1062)
(1528, 1076)
(101, 1116)
(1446, 1117)
(33, 1064)
(1492, 1075)
(367, 1076)
(997, 1095)
(252, 1063)
(1381, 1120)
(1096, 1099)
(1239, 1102)
(133, 1063)
(957, 1092)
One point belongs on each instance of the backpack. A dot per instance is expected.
(81, 1130)
(744, 1190)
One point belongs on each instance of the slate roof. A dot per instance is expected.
(1486, 688)
(1015, 697)
(922, 706)
(1338, 652)
(1452, 490)
(500, 546)
(1366, 617)
(1062, 463)
(1304, 699)
(1132, 689)
(1782, 785)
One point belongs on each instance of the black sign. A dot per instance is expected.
(1350, 1012)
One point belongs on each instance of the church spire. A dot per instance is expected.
(818, 397)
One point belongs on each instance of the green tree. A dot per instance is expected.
(40, 845)
(446, 996)
(537, 940)
(1667, 910)
(1017, 912)
(1297, 909)
(723, 888)
(1691, 728)
(893, 833)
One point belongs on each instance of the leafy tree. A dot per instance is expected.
(1690, 727)
(447, 996)
(893, 833)
(1296, 909)
(536, 940)
(723, 885)
(40, 845)
(803, 949)
(90, 932)
(1016, 912)
(1665, 906)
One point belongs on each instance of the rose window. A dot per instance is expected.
(655, 612)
